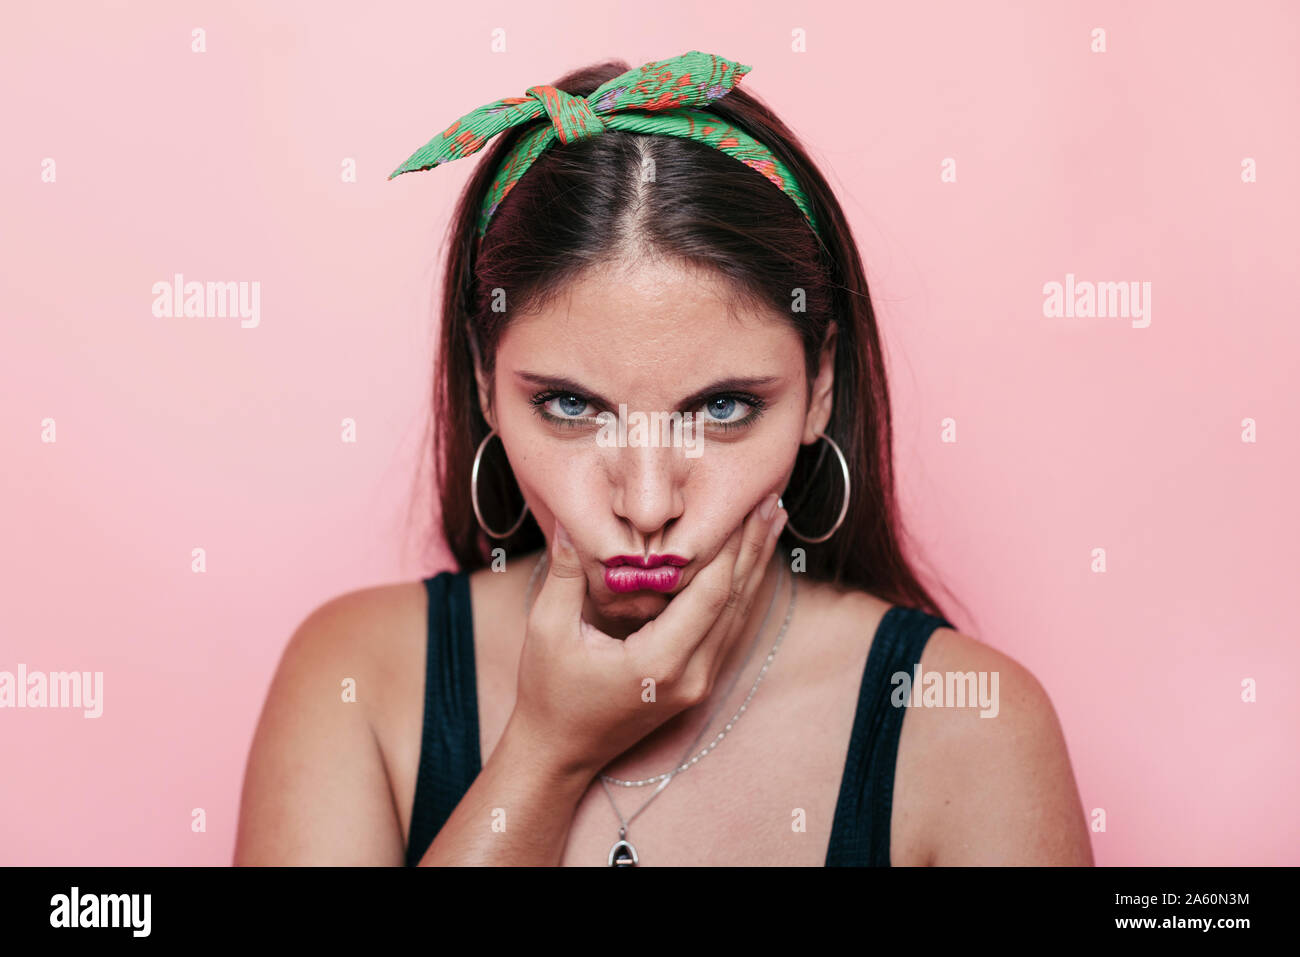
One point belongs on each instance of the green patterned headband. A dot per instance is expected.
(645, 100)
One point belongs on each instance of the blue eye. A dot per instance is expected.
(562, 409)
(571, 405)
(569, 410)
(720, 408)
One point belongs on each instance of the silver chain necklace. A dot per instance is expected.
(623, 854)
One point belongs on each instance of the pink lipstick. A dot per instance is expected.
(627, 573)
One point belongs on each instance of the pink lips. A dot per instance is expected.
(626, 573)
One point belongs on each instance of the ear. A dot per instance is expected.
(820, 406)
(484, 389)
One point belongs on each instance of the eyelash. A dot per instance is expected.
(539, 401)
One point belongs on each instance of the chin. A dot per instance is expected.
(633, 605)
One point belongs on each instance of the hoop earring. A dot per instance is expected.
(473, 494)
(844, 509)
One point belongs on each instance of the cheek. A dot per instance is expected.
(557, 478)
(728, 481)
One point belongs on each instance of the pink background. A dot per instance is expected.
(1072, 433)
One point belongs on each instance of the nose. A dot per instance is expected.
(647, 483)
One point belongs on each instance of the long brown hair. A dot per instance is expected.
(583, 204)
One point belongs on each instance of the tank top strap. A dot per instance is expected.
(449, 743)
(860, 829)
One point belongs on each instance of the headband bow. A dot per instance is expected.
(654, 98)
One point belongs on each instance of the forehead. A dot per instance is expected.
(650, 319)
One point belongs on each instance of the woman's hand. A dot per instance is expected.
(580, 691)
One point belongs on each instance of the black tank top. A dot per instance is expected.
(449, 747)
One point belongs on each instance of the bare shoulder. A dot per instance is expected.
(362, 615)
(985, 762)
(374, 629)
(369, 643)
(316, 787)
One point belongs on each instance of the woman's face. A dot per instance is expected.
(657, 337)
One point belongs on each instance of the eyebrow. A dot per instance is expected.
(729, 384)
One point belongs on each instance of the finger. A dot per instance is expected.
(751, 568)
(757, 527)
(558, 608)
(755, 542)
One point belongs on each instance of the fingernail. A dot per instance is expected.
(561, 536)
(769, 506)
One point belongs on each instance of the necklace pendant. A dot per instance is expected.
(622, 854)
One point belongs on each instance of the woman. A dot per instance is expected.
(639, 661)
